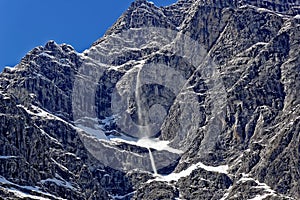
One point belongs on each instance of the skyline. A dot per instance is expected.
(27, 24)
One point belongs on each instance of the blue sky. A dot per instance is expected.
(25, 24)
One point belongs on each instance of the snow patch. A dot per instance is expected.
(265, 187)
(94, 127)
(7, 157)
(95, 123)
(176, 176)
(156, 144)
(226, 194)
(264, 10)
(118, 197)
(121, 137)
(108, 120)
(97, 133)
(44, 54)
(61, 166)
(11, 69)
(37, 112)
(260, 197)
(297, 17)
(4, 181)
(65, 184)
(20, 194)
(42, 113)
(50, 137)
(223, 169)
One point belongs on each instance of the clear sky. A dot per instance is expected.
(25, 24)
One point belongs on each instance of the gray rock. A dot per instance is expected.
(230, 115)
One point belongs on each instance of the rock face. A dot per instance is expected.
(197, 100)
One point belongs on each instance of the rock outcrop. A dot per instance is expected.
(196, 100)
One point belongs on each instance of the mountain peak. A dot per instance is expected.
(141, 13)
(137, 2)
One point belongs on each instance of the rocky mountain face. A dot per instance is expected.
(196, 100)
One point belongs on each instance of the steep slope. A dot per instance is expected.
(196, 100)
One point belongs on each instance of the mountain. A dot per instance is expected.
(196, 100)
